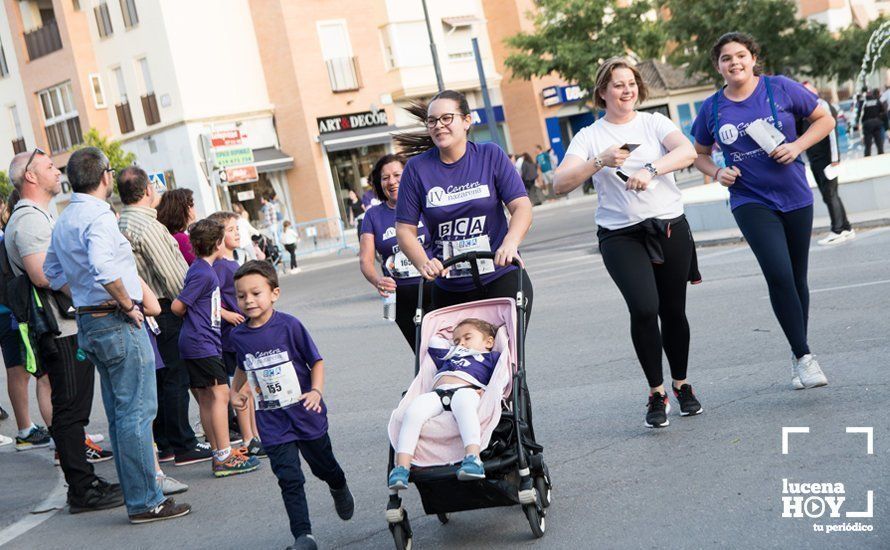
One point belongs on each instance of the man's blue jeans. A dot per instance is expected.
(125, 362)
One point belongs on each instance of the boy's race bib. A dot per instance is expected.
(479, 243)
(274, 387)
(215, 309)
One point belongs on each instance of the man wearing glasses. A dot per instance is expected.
(89, 254)
(27, 239)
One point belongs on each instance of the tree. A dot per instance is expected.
(572, 38)
(5, 186)
(845, 60)
(117, 157)
(788, 45)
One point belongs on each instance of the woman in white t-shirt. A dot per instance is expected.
(644, 238)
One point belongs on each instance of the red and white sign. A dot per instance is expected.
(226, 138)
(241, 174)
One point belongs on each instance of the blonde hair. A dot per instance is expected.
(604, 77)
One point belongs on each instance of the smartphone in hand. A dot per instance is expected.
(629, 147)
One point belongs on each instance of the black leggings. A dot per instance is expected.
(406, 304)
(781, 243)
(292, 250)
(654, 292)
(504, 286)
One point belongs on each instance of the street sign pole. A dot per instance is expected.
(486, 100)
(429, 30)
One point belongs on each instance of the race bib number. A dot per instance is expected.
(275, 387)
(480, 243)
(401, 267)
(215, 309)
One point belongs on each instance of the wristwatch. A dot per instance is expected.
(598, 162)
(652, 169)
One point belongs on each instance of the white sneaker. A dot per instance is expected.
(170, 486)
(795, 379)
(811, 376)
(837, 238)
(296, 270)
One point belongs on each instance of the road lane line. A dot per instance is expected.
(54, 502)
(843, 287)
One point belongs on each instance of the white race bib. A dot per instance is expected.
(215, 309)
(479, 243)
(274, 387)
(401, 267)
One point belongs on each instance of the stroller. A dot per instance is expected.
(515, 472)
(273, 254)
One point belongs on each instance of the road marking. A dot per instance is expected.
(843, 287)
(54, 502)
(578, 261)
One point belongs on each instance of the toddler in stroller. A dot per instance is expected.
(463, 369)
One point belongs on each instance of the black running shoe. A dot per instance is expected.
(235, 438)
(101, 495)
(201, 453)
(255, 448)
(657, 411)
(689, 405)
(343, 502)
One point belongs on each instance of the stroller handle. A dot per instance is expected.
(471, 257)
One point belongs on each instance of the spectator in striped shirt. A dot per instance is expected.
(162, 266)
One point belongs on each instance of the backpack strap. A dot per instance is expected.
(715, 128)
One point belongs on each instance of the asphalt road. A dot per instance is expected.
(715, 480)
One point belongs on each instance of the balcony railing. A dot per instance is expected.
(124, 117)
(344, 74)
(18, 146)
(64, 135)
(43, 40)
(150, 109)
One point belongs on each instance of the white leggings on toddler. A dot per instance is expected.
(464, 403)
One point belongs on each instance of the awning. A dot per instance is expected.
(272, 159)
(461, 20)
(350, 139)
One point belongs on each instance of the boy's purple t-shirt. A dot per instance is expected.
(763, 181)
(380, 221)
(460, 200)
(225, 271)
(283, 338)
(200, 334)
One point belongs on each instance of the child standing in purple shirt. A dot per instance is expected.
(200, 347)
(460, 188)
(279, 364)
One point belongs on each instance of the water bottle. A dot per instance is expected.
(389, 306)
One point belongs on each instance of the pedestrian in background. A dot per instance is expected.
(824, 158)
(90, 256)
(768, 191)
(177, 212)
(873, 114)
(644, 238)
(528, 171)
(246, 232)
(546, 166)
(290, 238)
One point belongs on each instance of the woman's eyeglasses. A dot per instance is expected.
(446, 119)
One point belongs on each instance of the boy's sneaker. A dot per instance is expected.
(303, 542)
(809, 372)
(170, 486)
(657, 411)
(471, 468)
(235, 438)
(689, 405)
(398, 478)
(236, 463)
(37, 438)
(343, 502)
(166, 456)
(837, 238)
(96, 453)
(101, 495)
(165, 510)
(255, 448)
(201, 453)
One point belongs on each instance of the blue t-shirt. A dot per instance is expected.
(543, 160)
(763, 181)
(225, 271)
(380, 221)
(283, 340)
(200, 334)
(460, 201)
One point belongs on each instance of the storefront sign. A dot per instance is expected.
(479, 116)
(241, 174)
(226, 138)
(340, 123)
(234, 156)
(550, 96)
(555, 95)
(245, 196)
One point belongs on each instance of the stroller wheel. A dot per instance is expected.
(535, 519)
(543, 487)
(401, 535)
(443, 518)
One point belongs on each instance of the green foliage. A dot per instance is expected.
(5, 186)
(572, 38)
(844, 60)
(117, 157)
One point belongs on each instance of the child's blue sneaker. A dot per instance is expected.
(471, 468)
(398, 478)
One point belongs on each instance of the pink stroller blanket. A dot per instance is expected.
(440, 441)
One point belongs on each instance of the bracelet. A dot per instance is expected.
(717, 174)
(132, 307)
(598, 162)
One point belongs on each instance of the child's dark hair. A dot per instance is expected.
(745, 40)
(484, 327)
(414, 143)
(376, 178)
(205, 236)
(256, 267)
(223, 216)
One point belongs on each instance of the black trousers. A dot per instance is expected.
(171, 427)
(652, 293)
(406, 304)
(285, 462)
(504, 286)
(781, 243)
(828, 189)
(871, 133)
(72, 384)
(292, 250)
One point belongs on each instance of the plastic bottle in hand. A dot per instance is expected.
(389, 306)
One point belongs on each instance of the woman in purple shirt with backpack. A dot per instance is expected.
(769, 194)
(460, 188)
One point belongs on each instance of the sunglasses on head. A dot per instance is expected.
(37, 150)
